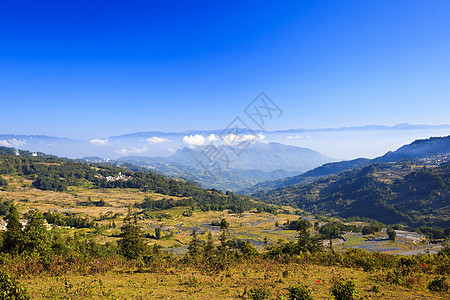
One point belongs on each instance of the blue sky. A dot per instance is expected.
(91, 69)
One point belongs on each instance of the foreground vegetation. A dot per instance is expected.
(58, 265)
(246, 279)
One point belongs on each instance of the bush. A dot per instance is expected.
(375, 289)
(10, 289)
(259, 293)
(3, 182)
(344, 289)
(391, 234)
(299, 292)
(438, 284)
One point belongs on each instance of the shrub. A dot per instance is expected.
(259, 293)
(375, 289)
(391, 234)
(344, 289)
(438, 284)
(10, 289)
(299, 292)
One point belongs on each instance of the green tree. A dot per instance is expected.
(391, 234)
(224, 224)
(368, 230)
(4, 207)
(222, 248)
(330, 230)
(131, 243)
(13, 239)
(344, 289)
(158, 233)
(195, 246)
(209, 247)
(299, 292)
(10, 289)
(306, 241)
(36, 236)
(248, 249)
(3, 181)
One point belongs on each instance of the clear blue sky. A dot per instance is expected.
(88, 69)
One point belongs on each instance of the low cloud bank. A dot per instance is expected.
(12, 143)
(99, 142)
(156, 140)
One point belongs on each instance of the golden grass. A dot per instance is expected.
(188, 283)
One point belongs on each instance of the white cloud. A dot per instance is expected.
(156, 140)
(99, 142)
(194, 140)
(235, 140)
(211, 138)
(12, 143)
(297, 137)
(231, 139)
(133, 150)
(294, 137)
(172, 150)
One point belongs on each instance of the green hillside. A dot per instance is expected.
(57, 174)
(411, 193)
(434, 148)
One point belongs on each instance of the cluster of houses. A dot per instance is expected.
(114, 178)
(437, 159)
(24, 223)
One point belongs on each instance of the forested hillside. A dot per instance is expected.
(406, 192)
(310, 176)
(418, 149)
(434, 147)
(57, 174)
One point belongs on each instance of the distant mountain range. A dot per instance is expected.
(238, 169)
(355, 141)
(274, 155)
(258, 156)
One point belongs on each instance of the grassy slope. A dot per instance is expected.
(190, 283)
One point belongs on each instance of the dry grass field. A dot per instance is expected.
(236, 282)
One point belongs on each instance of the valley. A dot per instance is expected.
(185, 237)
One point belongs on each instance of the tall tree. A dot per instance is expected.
(306, 241)
(209, 247)
(13, 239)
(158, 233)
(36, 236)
(195, 246)
(131, 244)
